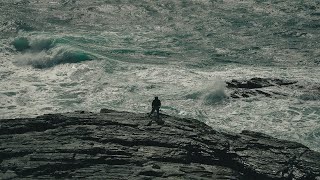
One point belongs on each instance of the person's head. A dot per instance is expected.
(156, 97)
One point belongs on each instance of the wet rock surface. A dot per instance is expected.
(257, 87)
(123, 145)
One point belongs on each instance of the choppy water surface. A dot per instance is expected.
(67, 55)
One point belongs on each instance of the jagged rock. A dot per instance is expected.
(106, 111)
(121, 145)
(254, 83)
(254, 87)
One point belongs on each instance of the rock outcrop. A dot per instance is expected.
(254, 87)
(123, 145)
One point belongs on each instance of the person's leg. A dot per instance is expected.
(152, 111)
(158, 109)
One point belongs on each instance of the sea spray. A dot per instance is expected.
(215, 93)
(212, 94)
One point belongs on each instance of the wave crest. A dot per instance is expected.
(56, 56)
(47, 52)
(38, 44)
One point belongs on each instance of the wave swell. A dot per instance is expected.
(46, 53)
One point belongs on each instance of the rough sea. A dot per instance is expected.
(68, 55)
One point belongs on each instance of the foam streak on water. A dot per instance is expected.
(58, 56)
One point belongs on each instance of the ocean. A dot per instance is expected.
(67, 55)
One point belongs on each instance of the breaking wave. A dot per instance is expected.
(56, 56)
(39, 44)
(211, 95)
(215, 97)
(216, 94)
(45, 53)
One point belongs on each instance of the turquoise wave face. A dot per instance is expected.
(43, 52)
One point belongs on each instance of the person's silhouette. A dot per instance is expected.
(156, 104)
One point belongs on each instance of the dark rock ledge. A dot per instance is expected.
(256, 87)
(121, 145)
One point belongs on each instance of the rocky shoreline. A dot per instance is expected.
(256, 87)
(124, 145)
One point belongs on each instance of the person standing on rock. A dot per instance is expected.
(156, 104)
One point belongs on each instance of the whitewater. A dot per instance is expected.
(67, 55)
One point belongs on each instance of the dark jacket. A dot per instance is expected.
(156, 103)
